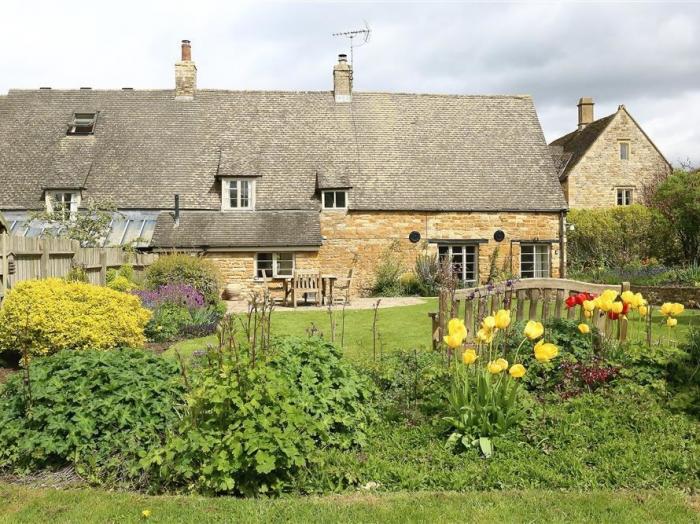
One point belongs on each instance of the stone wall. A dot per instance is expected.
(688, 296)
(593, 182)
(359, 239)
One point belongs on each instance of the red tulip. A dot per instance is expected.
(571, 301)
(613, 316)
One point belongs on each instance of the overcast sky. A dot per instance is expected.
(643, 55)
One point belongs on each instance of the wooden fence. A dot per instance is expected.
(23, 258)
(531, 299)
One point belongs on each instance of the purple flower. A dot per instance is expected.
(177, 294)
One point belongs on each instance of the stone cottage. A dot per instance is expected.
(607, 162)
(263, 182)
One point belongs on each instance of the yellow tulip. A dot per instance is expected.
(489, 322)
(469, 356)
(588, 305)
(639, 300)
(666, 309)
(627, 297)
(609, 294)
(545, 351)
(617, 307)
(456, 327)
(584, 328)
(454, 341)
(503, 363)
(677, 309)
(517, 371)
(604, 304)
(643, 311)
(671, 322)
(533, 330)
(588, 314)
(494, 367)
(484, 335)
(502, 319)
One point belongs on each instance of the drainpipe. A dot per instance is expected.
(177, 210)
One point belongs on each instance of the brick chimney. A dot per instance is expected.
(185, 74)
(342, 80)
(585, 112)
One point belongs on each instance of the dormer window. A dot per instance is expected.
(63, 203)
(83, 124)
(335, 199)
(237, 193)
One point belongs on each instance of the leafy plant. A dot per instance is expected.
(95, 410)
(46, 316)
(684, 374)
(196, 272)
(90, 227)
(122, 279)
(255, 418)
(387, 275)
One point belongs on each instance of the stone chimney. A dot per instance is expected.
(585, 112)
(185, 74)
(342, 80)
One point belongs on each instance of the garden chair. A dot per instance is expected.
(341, 289)
(306, 282)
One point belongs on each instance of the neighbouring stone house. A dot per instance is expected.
(263, 182)
(607, 162)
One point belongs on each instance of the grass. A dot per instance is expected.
(23, 504)
(402, 327)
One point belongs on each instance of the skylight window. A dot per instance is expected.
(83, 124)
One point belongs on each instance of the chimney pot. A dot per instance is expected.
(585, 112)
(186, 51)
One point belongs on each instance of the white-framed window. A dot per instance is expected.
(65, 203)
(624, 150)
(624, 196)
(464, 261)
(237, 193)
(274, 265)
(335, 199)
(82, 124)
(535, 260)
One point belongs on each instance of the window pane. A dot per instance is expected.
(527, 261)
(624, 151)
(245, 193)
(329, 199)
(340, 199)
(542, 262)
(285, 264)
(263, 265)
(233, 193)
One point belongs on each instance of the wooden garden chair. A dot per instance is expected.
(341, 289)
(306, 282)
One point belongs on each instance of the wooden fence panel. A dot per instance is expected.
(33, 258)
(536, 299)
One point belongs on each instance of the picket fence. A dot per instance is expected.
(531, 299)
(23, 258)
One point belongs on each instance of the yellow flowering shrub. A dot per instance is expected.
(47, 316)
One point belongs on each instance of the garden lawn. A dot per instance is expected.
(24, 504)
(404, 327)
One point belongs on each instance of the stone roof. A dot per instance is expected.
(395, 151)
(258, 229)
(569, 149)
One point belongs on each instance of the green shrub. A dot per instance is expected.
(94, 410)
(197, 272)
(46, 316)
(254, 420)
(684, 374)
(427, 270)
(168, 322)
(122, 279)
(77, 274)
(387, 275)
(409, 284)
(616, 237)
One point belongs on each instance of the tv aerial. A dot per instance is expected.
(360, 34)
